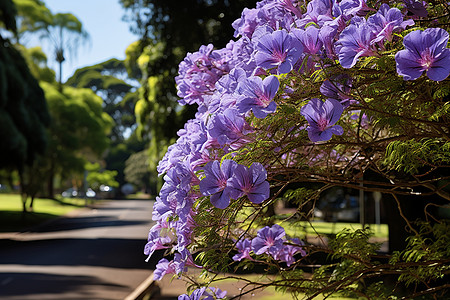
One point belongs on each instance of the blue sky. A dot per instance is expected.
(102, 19)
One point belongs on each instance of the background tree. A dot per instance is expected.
(32, 17)
(66, 33)
(24, 115)
(38, 63)
(96, 177)
(137, 171)
(168, 31)
(78, 132)
(109, 80)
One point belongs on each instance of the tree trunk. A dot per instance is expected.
(23, 192)
(412, 207)
(51, 176)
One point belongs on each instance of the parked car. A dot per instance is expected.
(338, 206)
(74, 193)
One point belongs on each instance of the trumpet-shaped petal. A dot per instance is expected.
(215, 184)
(269, 240)
(251, 182)
(321, 118)
(227, 127)
(424, 51)
(310, 39)
(386, 21)
(278, 50)
(244, 247)
(257, 95)
(354, 42)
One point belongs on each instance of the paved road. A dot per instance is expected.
(97, 254)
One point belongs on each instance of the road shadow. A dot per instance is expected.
(21, 284)
(76, 223)
(104, 252)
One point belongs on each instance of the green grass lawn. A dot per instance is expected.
(12, 219)
(234, 287)
(327, 228)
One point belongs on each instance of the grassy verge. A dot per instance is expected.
(234, 287)
(12, 218)
(326, 228)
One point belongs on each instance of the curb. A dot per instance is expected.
(147, 288)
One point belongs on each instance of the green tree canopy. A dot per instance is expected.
(78, 132)
(23, 109)
(32, 16)
(137, 169)
(168, 31)
(108, 80)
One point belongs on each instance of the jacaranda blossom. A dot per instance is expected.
(416, 7)
(338, 88)
(318, 12)
(215, 184)
(386, 21)
(354, 42)
(244, 247)
(251, 182)
(228, 127)
(162, 268)
(310, 39)
(288, 251)
(321, 117)
(257, 95)
(269, 240)
(204, 294)
(278, 50)
(424, 51)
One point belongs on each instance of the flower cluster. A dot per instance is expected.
(273, 242)
(246, 81)
(204, 294)
(232, 181)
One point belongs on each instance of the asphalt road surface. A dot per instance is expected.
(96, 254)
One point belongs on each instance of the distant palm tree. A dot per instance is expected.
(66, 33)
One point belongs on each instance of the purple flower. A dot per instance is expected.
(355, 41)
(251, 182)
(349, 8)
(278, 49)
(229, 82)
(199, 72)
(269, 240)
(162, 268)
(196, 295)
(338, 88)
(215, 184)
(321, 118)
(310, 39)
(287, 253)
(327, 35)
(416, 8)
(228, 127)
(219, 294)
(291, 6)
(386, 21)
(156, 241)
(257, 95)
(246, 24)
(204, 294)
(244, 247)
(424, 51)
(318, 12)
